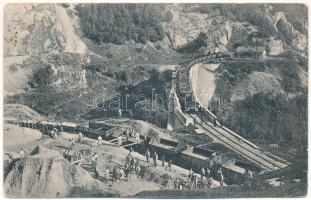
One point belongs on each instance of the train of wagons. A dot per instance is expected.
(188, 157)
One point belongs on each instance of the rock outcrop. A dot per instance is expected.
(257, 82)
(186, 26)
(37, 36)
(241, 34)
(292, 36)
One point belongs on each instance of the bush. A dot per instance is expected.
(42, 77)
(279, 120)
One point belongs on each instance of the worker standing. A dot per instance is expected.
(127, 174)
(95, 156)
(176, 183)
(128, 159)
(249, 178)
(94, 164)
(120, 113)
(137, 169)
(107, 174)
(221, 176)
(189, 176)
(22, 153)
(147, 155)
(170, 165)
(207, 172)
(202, 173)
(91, 151)
(249, 174)
(56, 132)
(136, 137)
(99, 140)
(195, 184)
(10, 159)
(132, 164)
(66, 153)
(72, 143)
(215, 122)
(192, 180)
(96, 171)
(53, 134)
(119, 140)
(80, 136)
(155, 159)
(163, 160)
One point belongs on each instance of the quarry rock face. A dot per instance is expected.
(31, 29)
(41, 35)
(292, 36)
(43, 174)
(240, 34)
(183, 29)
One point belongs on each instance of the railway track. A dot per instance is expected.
(237, 145)
(221, 134)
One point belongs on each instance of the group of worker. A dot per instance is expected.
(131, 134)
(131, 165)
(54, 133)
(123, 173)
(155, 160)
(72, 157)
(21, 153)
(193, 179)
(94, 160)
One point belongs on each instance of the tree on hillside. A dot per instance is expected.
(117, 23)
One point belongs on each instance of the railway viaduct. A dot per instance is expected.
(205, 121)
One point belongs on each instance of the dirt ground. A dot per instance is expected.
(108, 156)
(14, 135)
(15, 138)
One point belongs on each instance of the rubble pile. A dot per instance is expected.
(44, 174)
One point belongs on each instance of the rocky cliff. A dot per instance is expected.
(38, 36)
(293, 37)
(187, 24)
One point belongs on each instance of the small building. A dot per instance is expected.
(250, 52)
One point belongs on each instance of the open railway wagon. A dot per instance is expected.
(191, 157)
